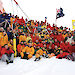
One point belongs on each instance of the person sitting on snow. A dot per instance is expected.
(27, 52)
(20, 47)
(7, 54)
(38, 54)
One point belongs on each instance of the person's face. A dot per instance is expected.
(3, 14)
(30, 44)
(6, 46)
(25, 42)
(38, 47)
(61, 52)
(20, 31)
(44, 45)
(56, 47)
(61, 41)
(50, 42)
(11, 41)
(36, 41)
(8, 28)
(55, 40)
(49, 47)
(2, 29)
(21, 42)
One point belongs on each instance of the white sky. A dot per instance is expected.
(38, 9)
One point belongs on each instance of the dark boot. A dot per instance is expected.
(37, 59)
(7, 62)
(11, 61)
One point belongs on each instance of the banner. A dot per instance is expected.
(73, 24)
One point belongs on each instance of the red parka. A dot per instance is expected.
(8, 51)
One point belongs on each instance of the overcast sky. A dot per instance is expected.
(38, 9)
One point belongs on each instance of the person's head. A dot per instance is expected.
(61, 42)
(61, 51)
(6, 46)
(4, 33)
(24, 42)
(11, 41)
(1, 29)
(50, 42)
(36, 41)
(30, 44)
(21, 42)
(38, 47)
(49, 47)
(20, 30)
(66, 42)
(44, 45)
(4, 14)
(56, 47)
(55, 40)
(23, 33)
(8, 29)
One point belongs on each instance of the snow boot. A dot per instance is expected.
(37, 59)
(7, 61)
(11, 62)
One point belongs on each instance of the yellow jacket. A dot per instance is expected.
(11, 46)
(40, 52)
(27, 50)
(64, 35)
(22, 38)
(11, 19)
(3, 40)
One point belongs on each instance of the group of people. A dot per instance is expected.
(34, 38)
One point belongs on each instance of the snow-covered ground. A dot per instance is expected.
(50, 66)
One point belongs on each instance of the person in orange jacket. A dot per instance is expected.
(27, 52)
(10, 44)
(3, 39)
(38, 54)
(22, 37)
(20, 47)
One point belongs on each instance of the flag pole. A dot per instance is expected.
(56, 18)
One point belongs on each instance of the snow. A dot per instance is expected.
(45, 66)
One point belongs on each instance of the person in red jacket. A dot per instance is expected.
(67, 47)
(62, 45)
(7, 54)
(62, 55)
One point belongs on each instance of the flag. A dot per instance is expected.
(73, 24)
(59, 13)
(45, 20)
